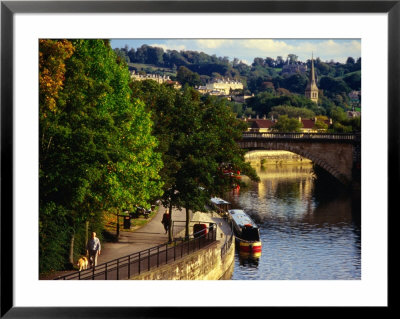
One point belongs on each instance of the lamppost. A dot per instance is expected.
(117, 226)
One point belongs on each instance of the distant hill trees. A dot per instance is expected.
(264, 79)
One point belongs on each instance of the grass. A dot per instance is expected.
(153, 68)
(110, 225)
(347, 74)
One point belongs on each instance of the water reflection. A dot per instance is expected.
(248, 260)
(307, 226)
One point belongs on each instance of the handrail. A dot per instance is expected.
(318, 136)
(144, 260)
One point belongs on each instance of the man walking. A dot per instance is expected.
(166, 221)
(93, 249)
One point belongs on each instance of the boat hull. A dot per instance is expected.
(250, 247)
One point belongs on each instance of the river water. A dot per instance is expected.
(309, 226)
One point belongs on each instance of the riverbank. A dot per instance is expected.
(149, 235)
(134, 240)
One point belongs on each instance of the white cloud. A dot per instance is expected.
(170, 46)
(213, 43)
(247, 49)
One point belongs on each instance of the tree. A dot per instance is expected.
(333, 86)
(292, 58)
(185, 76)
(99, 150)
(321, 126)
(295, 83)
(258, 61)
(270, 62)
(286, 124)
(52, 57)
(196, 137)
(338, 114)
(353, 81)
(291, 112)
(350, 60)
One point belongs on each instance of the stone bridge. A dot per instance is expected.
(337, 153)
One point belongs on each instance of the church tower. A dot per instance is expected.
(312, 89)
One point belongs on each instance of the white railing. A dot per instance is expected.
(303, 136)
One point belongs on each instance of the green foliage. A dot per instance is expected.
(286, 124)
(264, 102)
(54, 236)
(290, 111)
(264, 75)
(196, 136)
(295, 83)
(97, 152)
(321, 126)
(353, 80)
(185, 76)
(342, 123)
(332, 86)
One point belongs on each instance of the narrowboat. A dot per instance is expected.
(246, 231)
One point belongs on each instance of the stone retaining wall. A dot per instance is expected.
(205, 264)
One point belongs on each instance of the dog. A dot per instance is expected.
(83, 263)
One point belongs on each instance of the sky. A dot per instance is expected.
(246, 50)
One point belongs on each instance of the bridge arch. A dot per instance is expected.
(335, 153)
(304, 153)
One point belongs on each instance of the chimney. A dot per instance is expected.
(315, 119)
(330, 121)
(257, 117)
(264, 117)
(299, 119)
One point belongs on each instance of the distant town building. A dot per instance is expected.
(155, 77)
(293, 68)
(309, 125)
(223, 86)
(355, 98)
(312, 89)
(352, 114)
(260, 125)
(241, 98)
(266, 125)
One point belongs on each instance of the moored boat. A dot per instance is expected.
(220, 205)
(246, 231)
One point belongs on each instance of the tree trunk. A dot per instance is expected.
(170, 235)
(187, 223)
(117, 226)
(86, 233)
(71, 249)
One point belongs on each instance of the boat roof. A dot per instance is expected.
(241, 218)
(218, 201)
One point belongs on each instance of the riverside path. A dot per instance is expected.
(119, 260)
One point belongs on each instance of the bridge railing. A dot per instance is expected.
(302, 136)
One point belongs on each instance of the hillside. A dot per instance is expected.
(272, 82)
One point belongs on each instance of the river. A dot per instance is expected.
(309, 226)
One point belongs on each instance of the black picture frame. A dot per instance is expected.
(9, 8)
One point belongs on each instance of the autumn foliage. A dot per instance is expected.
(52, 57)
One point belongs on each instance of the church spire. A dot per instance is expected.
(312, 69)
(312, 89)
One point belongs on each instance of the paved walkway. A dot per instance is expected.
(153, 234)
(150, 235)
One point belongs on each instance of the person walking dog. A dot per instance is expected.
(93, 249)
